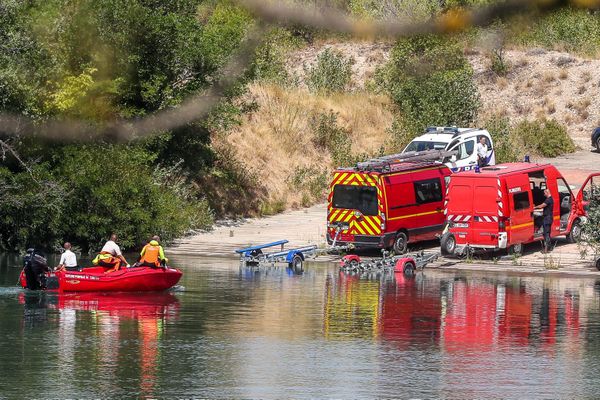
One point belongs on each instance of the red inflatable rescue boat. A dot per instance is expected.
(135, 279)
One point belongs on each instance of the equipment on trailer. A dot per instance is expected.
(254, 256)
(405, 263)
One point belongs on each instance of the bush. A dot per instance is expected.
(590, 231)
(329, 136)
(331, 73)
(506, 146)
(431, 82)
(311, 181)
(544, 137)
(570, 29)
(113, 189)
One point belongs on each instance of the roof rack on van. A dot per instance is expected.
(451, 130)
(393, 162)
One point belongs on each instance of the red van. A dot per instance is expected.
(387, 203)
(493, 208)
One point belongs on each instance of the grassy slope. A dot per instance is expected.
(276, 143)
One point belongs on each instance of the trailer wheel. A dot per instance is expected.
(409, 268)
(400, 243)
(448, 244)
(598, 264)
(575, 234)
(516, 249)
(297, 263)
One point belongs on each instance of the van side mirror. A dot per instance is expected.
(453, 158)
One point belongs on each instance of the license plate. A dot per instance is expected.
(461, 225)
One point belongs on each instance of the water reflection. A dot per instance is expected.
(91, 328)
(454, 312)
(269, 333)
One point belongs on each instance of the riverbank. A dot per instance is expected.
(307, 226)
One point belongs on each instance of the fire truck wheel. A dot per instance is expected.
(409, 268)
(575, 234)
(448, 244)
(401, 243)
(516, 249)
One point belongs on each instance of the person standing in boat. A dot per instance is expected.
(110, 256)
(68, 259)
(153, 255)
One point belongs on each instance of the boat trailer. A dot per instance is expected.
(404, 263)
(254, 256)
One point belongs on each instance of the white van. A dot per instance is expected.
(461, 140)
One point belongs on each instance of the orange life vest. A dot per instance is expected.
(151, 255)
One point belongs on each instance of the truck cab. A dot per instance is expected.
(461, 142)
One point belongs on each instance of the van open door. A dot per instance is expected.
(590, 191)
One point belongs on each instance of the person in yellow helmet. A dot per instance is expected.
(153, 255)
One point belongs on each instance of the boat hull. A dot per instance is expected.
(135, 279)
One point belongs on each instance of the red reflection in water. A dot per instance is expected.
(149, 310)
(457, 314)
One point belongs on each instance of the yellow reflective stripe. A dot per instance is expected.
(519, 226)
(365, 226)
(372, 223)
(416, 215)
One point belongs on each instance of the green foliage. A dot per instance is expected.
(547, 138)
(112, 189)
(499, 65)
(269, 63)
(311, 181)
(590, 231)
(569, 29)
(542, 137)
(330, 136)
(506, 146)
(331, 73)
(431, 82)
(31, 208)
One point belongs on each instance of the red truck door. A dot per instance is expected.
(590, 191)
(429, 197)
(520, 213)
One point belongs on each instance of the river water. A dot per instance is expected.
(231, 332)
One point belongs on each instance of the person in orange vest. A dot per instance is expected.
(153, 255)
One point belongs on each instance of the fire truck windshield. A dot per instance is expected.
(361, 198)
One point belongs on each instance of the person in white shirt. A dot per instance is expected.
(110, 256)
(68, 259)
(482, 150)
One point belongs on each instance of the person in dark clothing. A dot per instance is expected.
(35, 267)
(547, 206)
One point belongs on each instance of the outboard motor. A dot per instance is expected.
(35, 268)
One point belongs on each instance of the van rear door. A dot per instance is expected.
(485, 213)
(460, 208)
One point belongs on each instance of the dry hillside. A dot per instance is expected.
(277, 142)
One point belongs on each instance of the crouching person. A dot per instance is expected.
(111, 257)
(35, 268)
(153, 255)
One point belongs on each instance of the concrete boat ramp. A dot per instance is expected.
(300, 227)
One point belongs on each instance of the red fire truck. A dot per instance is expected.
(388, 202)
(493, 208)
